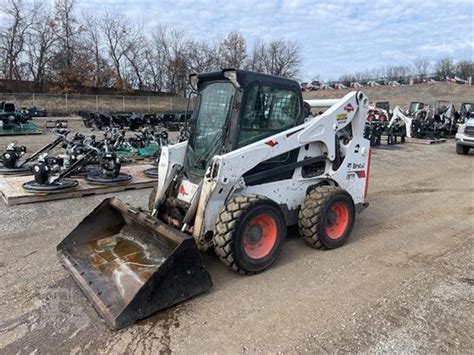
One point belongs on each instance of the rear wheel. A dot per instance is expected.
(250, 233)
(462, 149)
(326, 217)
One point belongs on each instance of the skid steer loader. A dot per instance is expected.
(254, 164)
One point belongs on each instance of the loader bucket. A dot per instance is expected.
(130, 264)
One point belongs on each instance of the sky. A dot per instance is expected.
(335, 37)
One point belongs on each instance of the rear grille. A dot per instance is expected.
(469, 131)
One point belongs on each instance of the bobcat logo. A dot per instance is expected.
(348, 108)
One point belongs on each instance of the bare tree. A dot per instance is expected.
(68, 29)
(346, 79)
(172, 45)
(40, 43)
(202, 57)
(256, 59)
(153, 68)
(116, 28)
(422, 68)
(465, 69)
(134, 47)
(12, 39)
(278, 57)
(395, 73)
(93, 40)
(233, 51)
(444, 68)
(282, 58)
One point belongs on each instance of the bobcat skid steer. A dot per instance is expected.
(254, 164)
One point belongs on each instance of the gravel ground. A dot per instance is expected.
(403, 283)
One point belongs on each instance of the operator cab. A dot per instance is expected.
(384, 105)
(235, 108)
(414, 107)
(9, 107)
(466, 111)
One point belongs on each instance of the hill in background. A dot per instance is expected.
(403, 95)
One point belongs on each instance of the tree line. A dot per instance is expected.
(55, 43)
(420, 70)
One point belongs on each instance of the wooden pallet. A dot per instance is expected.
(424, 141)
(12, 192)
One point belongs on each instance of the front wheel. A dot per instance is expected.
(326, 217)
(462, 149)
(250, 233)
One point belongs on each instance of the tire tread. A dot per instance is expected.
(225, 228)
(310, 215)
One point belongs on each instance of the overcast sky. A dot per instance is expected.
(335, 37)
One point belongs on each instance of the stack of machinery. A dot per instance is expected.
(54, 164)
(424, 121)
(14, 121)
(380, 123)
(420, 121)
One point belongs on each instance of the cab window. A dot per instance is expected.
(267, 111)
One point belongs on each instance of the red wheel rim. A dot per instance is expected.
(260, 236)
(370, 118)
(337, 220)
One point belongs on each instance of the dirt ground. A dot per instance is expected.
(403, 283)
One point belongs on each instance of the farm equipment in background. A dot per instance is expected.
(145, 144)
(83, 156)
(95, 120)
(52, 172)
(379, 123)
(118, 119)
(182, 137)
(13, 121)
(429, 122)
(49, 177)
(422, 121)
(253, 165)
(13, 154)
(10, 158)
(173, 121)
(33, 112)
(445, 118)
(110, 165)
(61, 124)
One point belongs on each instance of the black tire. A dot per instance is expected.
(245, 250)
(319, 222)
(462, 149)
(151, 198)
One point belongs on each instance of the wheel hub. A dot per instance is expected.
(332, 217)
(337, 220)
(254, 234)
(260, 236)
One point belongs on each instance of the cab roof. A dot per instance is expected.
(245, 77)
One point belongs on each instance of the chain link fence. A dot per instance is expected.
(65, 105)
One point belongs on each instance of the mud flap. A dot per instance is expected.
(130, 264)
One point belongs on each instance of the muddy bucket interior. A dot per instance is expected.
(131, 265)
